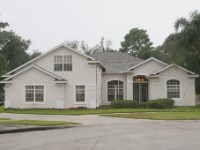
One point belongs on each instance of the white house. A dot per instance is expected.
(65, 78)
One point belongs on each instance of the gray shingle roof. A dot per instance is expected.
(115, 62)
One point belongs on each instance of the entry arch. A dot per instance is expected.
(140, 88)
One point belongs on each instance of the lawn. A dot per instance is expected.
(74, 111)
(188, 115)
(4, 119)
(143, 113)
(36, 122)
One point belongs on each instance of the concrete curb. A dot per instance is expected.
(36, 128)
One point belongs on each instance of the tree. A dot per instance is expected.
(14, 49)
(183, 46)
(137, 43)
(103, 46)
(3, 69)
(72, 44)
(35, 54)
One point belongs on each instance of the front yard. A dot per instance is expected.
(176, 113)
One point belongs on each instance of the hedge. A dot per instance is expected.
(159, 103)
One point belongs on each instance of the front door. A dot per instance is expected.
(140, 92)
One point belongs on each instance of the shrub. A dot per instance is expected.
(104, 107)
(161, 103)
(141, 105)
(123, 104)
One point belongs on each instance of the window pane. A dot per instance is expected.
(80, 93)
(68, 66)
(58, 63)
(29, 90)
(115, 90)
(34, 93)
(173, 89)
(69, 59)
(39, 93)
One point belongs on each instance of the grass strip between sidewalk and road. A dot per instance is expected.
(37, 122)
(160, 115)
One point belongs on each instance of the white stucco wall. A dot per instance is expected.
(148, 68)
(158, 87)
(82, 74)
(15, 92)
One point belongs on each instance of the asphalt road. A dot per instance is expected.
(150, 135)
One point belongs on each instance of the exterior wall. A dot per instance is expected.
(148, 68)
(158, 87)
(82, 74)
(145, 69)
(15, 92)
(109, 77)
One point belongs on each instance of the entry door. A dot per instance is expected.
(140, 92)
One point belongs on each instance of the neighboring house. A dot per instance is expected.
(65, 78)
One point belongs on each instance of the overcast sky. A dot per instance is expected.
(48, 23)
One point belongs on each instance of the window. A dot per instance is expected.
(115, 90)
(69, 63)
(173, 88)
(63, 63)
(58, 60)
(80, 93)
(34, 93)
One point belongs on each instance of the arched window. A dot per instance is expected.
(115, 90)
(173, 88)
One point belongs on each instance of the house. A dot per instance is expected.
(65, 78)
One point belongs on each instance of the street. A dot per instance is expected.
(138, 135)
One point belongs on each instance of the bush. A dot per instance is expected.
(161, 103)
(123, 104)
(104, 107)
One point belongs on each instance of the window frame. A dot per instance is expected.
(75, 94)
(118, 90)
(176, 87)
(34, 94)
(63, 62)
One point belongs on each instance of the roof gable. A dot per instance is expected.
(38, 68)
(46, 53)
(146, 61)
(174, 65)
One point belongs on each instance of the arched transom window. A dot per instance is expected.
(115, 90)
(173, 88)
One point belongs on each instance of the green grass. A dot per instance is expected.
(72, 112)
(36, 122)
(195, 115)
(95, 111)
(4, 119)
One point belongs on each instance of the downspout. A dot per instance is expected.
(96, 87)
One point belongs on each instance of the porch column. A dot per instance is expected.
(129, 87)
